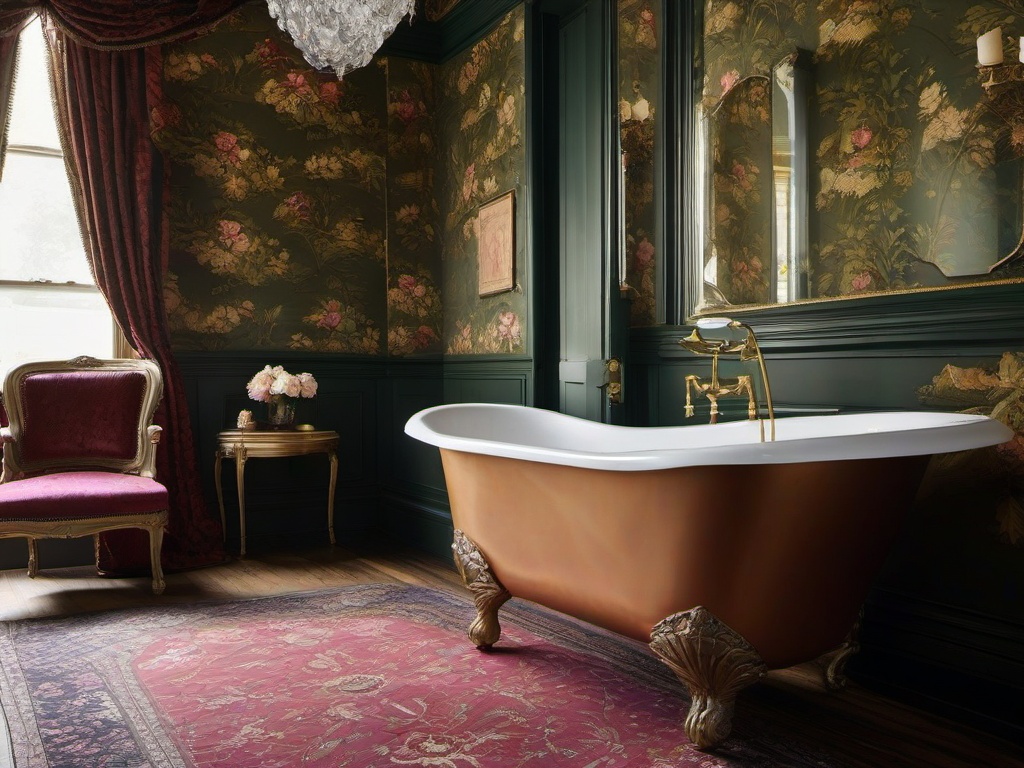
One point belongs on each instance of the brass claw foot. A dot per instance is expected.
(835, 669)
(488, 593)
(714, 662)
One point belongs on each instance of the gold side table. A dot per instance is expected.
(242, 445)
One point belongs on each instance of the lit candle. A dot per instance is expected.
(990, 48)
(1021, 56)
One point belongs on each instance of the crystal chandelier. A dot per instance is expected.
(340, 34)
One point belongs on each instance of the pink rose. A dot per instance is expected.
(861, 137)
(307, 385)
(297, 82)
(861, 281)
(268, 50)
(229, 230)
(330, 320)
(644, 254)
(330, 93)
(225, 142)
(406, 109)
(729, 79)
(299, 204)
(508, 326)
(424, 337)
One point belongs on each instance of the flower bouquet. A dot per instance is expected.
(280, 390)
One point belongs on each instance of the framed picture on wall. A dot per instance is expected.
(496, 245)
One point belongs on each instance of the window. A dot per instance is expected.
(50, 308)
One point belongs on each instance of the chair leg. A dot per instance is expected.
(156, 539)
(33, 559)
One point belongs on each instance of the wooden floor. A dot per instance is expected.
(864, 729)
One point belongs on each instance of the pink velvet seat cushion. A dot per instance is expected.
(80, 495)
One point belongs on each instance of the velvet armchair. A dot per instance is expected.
(79, 453)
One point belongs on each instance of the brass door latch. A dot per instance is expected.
(613, 380)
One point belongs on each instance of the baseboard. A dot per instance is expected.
(412, 523)
(956, 663)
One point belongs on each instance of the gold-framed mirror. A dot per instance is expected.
(849, 149)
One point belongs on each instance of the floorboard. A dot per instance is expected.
(868, 730)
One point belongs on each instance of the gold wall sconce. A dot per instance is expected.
(992, 64)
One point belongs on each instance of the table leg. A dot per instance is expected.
(240, 481)
(220, 495)
(333, 457)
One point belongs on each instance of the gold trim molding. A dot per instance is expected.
(713, 310)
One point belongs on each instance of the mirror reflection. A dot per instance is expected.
(849, 150)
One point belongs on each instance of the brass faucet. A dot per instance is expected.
(747, 349)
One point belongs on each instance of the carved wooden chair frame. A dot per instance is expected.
(15, 467)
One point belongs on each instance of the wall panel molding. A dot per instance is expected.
(981, 316)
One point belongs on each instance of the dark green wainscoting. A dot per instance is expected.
(414, 502)
(286, 499)
(944, 625)
(388, 483)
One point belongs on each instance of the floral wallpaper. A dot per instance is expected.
(278, 231)
(481, 121)
(309, 213)
(639, 55)
(965, 539)
(915, 168)
(415, 316)
(741, 236)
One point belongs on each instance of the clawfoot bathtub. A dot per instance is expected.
(729, 555)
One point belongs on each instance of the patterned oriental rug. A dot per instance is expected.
(377, 675)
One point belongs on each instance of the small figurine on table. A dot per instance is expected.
(245, 420)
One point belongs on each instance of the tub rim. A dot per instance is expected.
(940, 432)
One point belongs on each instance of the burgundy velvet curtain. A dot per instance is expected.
(107, 73)
(104, 105)
(119, 24)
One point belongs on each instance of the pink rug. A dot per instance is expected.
(377, 675)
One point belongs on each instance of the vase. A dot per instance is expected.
(280, 411)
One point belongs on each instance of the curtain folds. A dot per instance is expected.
(11, 24)
(120, 24)
(104, 101)
(107, 73)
